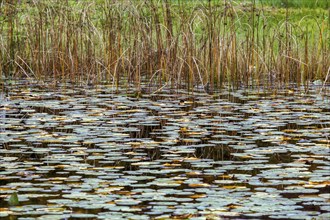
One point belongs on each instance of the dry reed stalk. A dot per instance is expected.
(208, 44)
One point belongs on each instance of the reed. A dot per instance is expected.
(150, 45)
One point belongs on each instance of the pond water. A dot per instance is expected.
(88, 153)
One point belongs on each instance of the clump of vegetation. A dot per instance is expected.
(177, 44)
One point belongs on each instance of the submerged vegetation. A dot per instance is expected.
(175, 44)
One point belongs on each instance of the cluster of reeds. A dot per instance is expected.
(178, 44)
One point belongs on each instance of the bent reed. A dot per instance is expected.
(176, 44)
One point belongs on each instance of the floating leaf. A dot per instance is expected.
(13, 199)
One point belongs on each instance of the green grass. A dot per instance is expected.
(178, 44)
(324, 4)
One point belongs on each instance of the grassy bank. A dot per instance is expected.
(178, 44)
(325, 4)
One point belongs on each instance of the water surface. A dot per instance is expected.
(73, 153)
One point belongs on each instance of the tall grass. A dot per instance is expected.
(177, 44)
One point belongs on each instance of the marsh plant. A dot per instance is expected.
(177, 44)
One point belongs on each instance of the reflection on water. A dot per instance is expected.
(2, 111)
